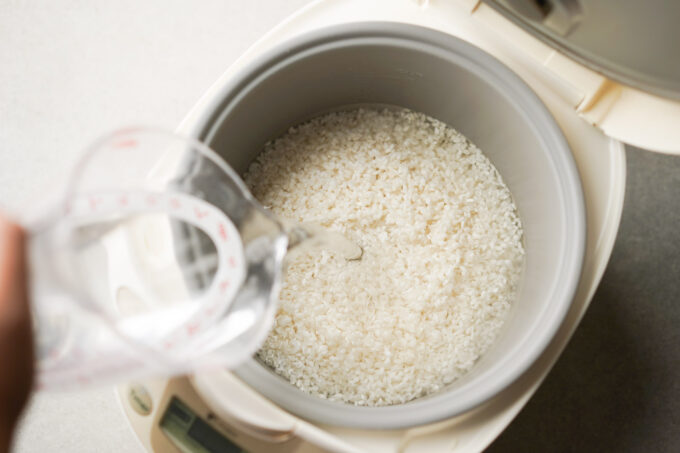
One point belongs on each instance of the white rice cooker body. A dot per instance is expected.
(572, 93)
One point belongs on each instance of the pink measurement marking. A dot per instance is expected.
(223, 232)
(94, 202)
(192, 328)
(224, 286)
(168, 344)
(127, 143)
(200, 214)
(123, 201)
(211, 311)
(232, 262)
(175, 203)
(68, 208)
(152, 200)
(82, 379)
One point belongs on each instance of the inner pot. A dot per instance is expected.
(381, 63)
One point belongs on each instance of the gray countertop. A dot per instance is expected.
(616, 386)
(71, 70)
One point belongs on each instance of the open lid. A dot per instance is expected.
(619, 58)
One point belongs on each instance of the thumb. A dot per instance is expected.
(16, 336)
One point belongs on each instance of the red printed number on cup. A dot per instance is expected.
(200, 214)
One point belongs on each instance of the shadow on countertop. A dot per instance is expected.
(616, 387)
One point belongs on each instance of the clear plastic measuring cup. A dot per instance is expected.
(157, 261)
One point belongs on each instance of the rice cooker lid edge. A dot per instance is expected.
(616, 105)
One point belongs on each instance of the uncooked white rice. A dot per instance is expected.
(442, 256)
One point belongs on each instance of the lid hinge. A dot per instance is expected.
(593, 95)
(622, 112)
(595, 106)
(469, 5)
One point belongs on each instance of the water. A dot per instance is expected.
(149, 275)
(157, 261)
(305, 237)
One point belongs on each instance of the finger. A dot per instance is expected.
(13, 300)
(16, 335)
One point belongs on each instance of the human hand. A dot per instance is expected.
(16, 337)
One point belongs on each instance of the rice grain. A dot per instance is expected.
(442, 256)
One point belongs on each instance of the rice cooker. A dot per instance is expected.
(513, 76)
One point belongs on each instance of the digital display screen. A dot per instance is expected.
(191, 433)
(213, 441)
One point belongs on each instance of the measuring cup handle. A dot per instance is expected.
(55, 253)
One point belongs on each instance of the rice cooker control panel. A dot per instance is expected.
(168, 416)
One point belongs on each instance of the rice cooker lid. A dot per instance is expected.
(618, 59)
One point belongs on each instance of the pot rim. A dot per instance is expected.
(444, 404)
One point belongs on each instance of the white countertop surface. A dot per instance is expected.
(74, 69)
